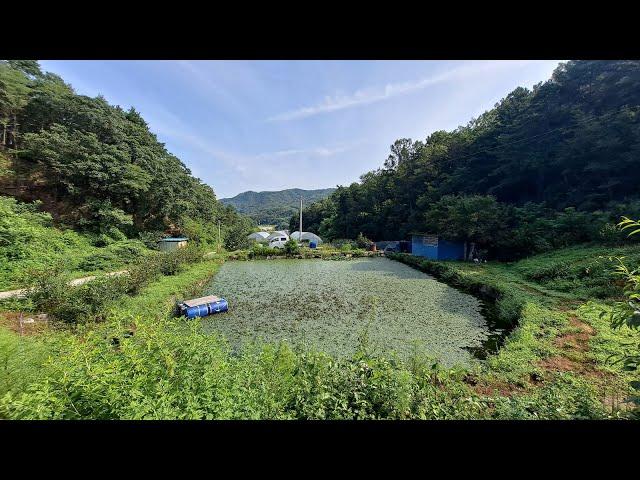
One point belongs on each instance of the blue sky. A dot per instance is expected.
(271, 125)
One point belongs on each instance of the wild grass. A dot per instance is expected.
(140, 363)
(29, 241)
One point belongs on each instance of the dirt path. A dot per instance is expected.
(22, 292)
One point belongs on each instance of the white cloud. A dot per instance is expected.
(247, 165)
(377, 93)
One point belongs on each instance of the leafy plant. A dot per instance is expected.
(291, 247)
(627, 313)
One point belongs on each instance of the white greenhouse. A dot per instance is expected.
(259, 236)
(306, 237)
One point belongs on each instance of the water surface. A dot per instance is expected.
(331, 304)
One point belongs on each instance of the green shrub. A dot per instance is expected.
(167, 369)
(291, 247)
(99, 261)
(50, 291)
(259, 250)
(150, 239)
(363, 242)
(174, 262)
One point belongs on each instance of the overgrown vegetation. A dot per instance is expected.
(626, 314)
(139, 363)
(49, 289)
(326, 251)
(544, 169)
(29, 241)
(97, 167)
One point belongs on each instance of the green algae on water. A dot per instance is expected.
(329, 306)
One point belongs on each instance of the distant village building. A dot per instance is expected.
(435, 248)
(172, 243)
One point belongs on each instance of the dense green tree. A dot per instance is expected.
(474, 218)
(97, 166)
(557, 160)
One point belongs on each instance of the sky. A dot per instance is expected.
(271, 125)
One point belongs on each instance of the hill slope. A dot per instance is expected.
(545, 168)
(274, 208)
(97, 167)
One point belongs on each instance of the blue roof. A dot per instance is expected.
(173, 239)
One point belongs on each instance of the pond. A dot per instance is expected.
(330, 305)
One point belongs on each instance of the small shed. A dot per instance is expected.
(172, 243)
(435, 248)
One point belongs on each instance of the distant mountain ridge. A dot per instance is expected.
(274, 207)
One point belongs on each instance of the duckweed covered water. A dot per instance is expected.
(330, 304)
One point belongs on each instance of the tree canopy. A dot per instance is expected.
(96, 166)
(568, 148)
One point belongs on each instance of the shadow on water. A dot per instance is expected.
(499, 330)
(381, 266)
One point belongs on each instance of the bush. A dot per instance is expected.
(100, 261)
(363, 242)
(259, 250)
(291, 247)
(50, 291)
(174, 262)
(150, 239)
(114, 256)
(167, 371)
(341, 242)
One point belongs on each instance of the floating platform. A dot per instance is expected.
(203, 306)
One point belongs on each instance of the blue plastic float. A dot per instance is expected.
(203, 306)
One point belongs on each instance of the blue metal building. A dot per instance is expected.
(430, 246)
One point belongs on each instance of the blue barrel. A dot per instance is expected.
(218, 307)
(197, 311)
(312, 245)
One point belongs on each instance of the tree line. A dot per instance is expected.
(546, 167)
(97, 167)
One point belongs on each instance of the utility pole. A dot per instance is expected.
(300, 236)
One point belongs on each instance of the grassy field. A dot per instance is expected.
(560, 342)
(28, 357)
(140, 363)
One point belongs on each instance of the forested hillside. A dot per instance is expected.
(274, 208)
(545, 168)
(96, 167)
